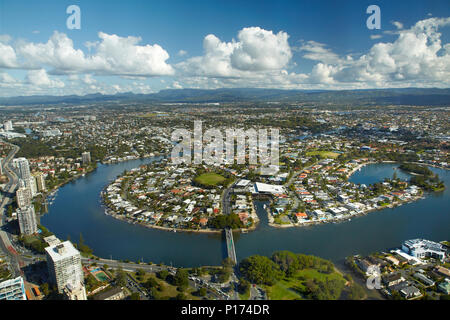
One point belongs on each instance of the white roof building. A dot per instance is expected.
(268, 188)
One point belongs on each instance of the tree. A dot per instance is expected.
(181, 296)
(163, 274)
(181, 278)
(135, 296)
(121, 278)
(261, 270)
(202, 292)
(45, 289)
(243, 286)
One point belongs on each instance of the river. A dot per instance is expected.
(77, 209)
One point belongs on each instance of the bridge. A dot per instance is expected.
(230, 245)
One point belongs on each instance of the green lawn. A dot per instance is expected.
(323, 154)
(209, 179)
(292, 288)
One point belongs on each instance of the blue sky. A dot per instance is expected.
(210, 44)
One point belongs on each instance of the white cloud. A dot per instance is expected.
(6, 78)
(416, 58)
(40, 78)
(182, 53)
(318, 52)
(257, 50)
(8, 57)
(375, 36)
(113, 55)
(398, 24)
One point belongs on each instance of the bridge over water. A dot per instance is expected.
(230, 245)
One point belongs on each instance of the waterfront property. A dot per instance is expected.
(421, 248)
(69, 216)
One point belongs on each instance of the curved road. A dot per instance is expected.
(8, 194)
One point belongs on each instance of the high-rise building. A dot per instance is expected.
(27, 220)
(22, 168)
(31, 184)
(12, 289)
(23, 195)
(8, 125)
(40, 181)
(86, 157)
(74, 293)
(64, 267)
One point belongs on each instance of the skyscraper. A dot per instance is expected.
(86, 157)
(31, 184)
(23, 195)
(12, 289)
(8, 125)
(65, 270)
(27, 220)
(22, 168)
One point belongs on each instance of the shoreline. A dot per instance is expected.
(271, 220)
(349, 217)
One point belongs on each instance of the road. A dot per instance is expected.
(8, 194)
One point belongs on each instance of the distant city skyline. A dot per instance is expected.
(144, 47)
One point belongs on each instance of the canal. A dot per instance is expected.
(77, 209)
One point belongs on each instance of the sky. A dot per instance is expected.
(147, 46)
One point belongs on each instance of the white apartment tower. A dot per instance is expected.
(86, 157)
(27, 220)
(64, 267)
(8, 125)
(23, 195)
(22, 168)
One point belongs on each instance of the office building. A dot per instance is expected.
(24, 197)
(86, 157)
(27, 220)
(13, 289)
(64, 267)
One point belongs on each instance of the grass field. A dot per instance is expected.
(292, 288)
(323, 154)
(148, 115)
(209, 179)
(168, 290)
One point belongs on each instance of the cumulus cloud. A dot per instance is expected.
(416, 57)
(40, 78)
(8, 58)
(113, 55)
(256, 50)
(6, 78)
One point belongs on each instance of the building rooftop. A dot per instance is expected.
(61, 251)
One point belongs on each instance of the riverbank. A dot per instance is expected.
(348, 217)
(170, 229)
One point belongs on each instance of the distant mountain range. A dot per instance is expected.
(408, 96)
